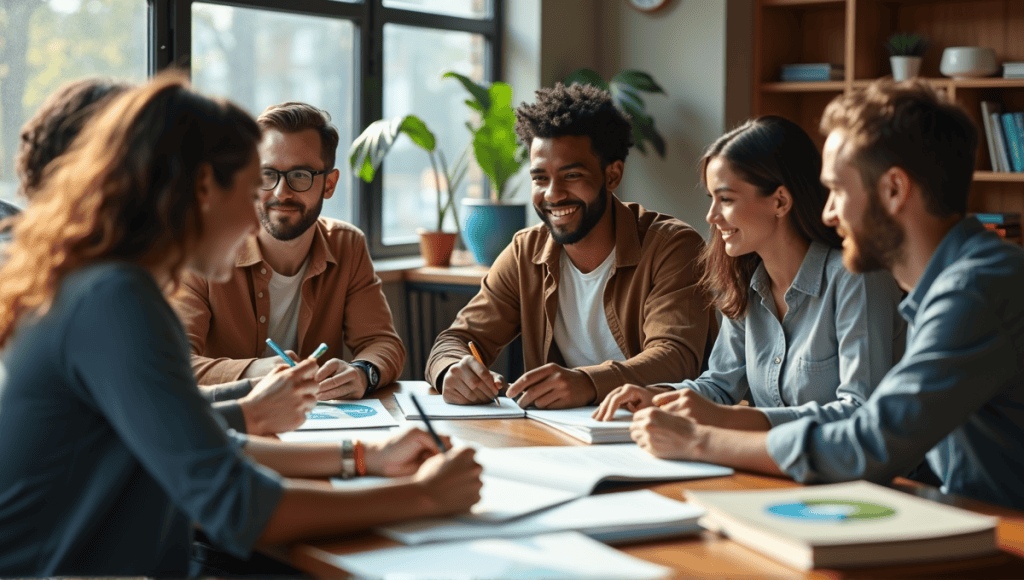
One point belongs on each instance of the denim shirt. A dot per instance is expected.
(839, 337)
(957, 393)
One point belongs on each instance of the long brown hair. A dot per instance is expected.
(766, 152)
(124, 190)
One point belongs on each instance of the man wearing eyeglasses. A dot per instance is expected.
(304, 279)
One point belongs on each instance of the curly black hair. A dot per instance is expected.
(577, 110)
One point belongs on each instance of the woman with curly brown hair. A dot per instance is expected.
(111, 456)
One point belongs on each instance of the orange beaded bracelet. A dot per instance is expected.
(360, 459)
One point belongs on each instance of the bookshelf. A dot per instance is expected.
(852, 33)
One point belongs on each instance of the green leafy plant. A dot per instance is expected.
(494, 143)
(906, 44)
(372, 145)
(625, 88)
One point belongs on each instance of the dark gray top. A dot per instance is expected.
(109, 452)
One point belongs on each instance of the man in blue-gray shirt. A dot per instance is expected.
(899, 163)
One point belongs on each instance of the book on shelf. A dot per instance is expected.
(1014, 142)
(1013, 70)
(1012, 231)
(998, 218)
(845, 524)
(1002, 150)
(987, 109)
(805, 72)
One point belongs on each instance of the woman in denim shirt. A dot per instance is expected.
(800, 334)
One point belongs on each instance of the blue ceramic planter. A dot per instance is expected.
(488, 226)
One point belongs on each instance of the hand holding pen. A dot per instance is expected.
(470, 382)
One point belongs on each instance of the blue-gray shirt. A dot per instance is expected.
(108, 452)
(957, 393)
(840, 335)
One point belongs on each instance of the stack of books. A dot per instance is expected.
(817, 71)
(1007, 225)
(1004, 135)
(1013, 70)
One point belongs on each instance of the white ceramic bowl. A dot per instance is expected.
(968, 61)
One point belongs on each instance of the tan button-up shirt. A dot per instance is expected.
(656, 311)
(342, 304)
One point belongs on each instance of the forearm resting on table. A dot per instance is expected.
(744, 450)
(312, 509)
(294, 459)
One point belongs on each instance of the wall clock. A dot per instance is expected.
(648, 5)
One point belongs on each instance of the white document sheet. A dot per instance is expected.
(578, 423)
(337, 435)
(610, 517)
(504, 499)
(550, 556)
(581, 468)
(348, 415)
(435, 408)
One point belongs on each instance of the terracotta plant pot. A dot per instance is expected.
(436, 247)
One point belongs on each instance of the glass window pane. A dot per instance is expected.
(414, 60)
(259, 58)
(462, 8)
(46, 44)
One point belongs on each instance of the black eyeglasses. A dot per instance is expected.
(298, 180)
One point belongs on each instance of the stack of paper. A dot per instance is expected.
(846, 524)
(579, 424)
(551, 556)
(610, 518)
(436, 408)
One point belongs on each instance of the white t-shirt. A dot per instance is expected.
(285, 299)
(581, 326)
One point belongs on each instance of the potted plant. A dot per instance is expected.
(491, 222)
(905, 52)
(372, 145)
(625, 89)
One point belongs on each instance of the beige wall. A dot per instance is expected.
(686, 46)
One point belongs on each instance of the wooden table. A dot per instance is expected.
(706, 555)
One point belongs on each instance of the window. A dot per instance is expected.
(46, 43)
(360, 61)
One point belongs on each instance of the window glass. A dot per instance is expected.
(259, 58)
(414, 60)
(460, 8)
(47, 43)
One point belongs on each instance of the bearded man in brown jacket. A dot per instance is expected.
(604, 293)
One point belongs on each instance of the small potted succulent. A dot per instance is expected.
(905, 52)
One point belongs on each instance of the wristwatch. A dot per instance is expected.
(372, 375)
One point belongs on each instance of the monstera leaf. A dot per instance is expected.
(625, 88)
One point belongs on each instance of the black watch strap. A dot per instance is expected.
(372, 374)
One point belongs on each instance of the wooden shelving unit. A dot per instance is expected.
(852, 33)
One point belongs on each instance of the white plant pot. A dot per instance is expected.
(904, 67)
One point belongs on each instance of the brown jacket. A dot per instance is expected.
(656, 311)
(342, 303)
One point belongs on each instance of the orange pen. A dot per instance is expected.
(479, 359)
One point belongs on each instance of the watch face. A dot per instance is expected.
(647, 5)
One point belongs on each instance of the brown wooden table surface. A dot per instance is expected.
(706, 555)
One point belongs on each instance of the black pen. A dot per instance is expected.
(426, 421)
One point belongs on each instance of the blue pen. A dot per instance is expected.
(280, 352)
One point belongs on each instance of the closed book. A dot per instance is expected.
(846, 524)
(1004, 231)
(1003, 148)
(987, 108)
(819, 71)
(998, 218)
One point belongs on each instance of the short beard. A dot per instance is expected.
(882, 242)
(592, 214)
(286, 233)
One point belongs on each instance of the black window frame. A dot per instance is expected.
(171, 30)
